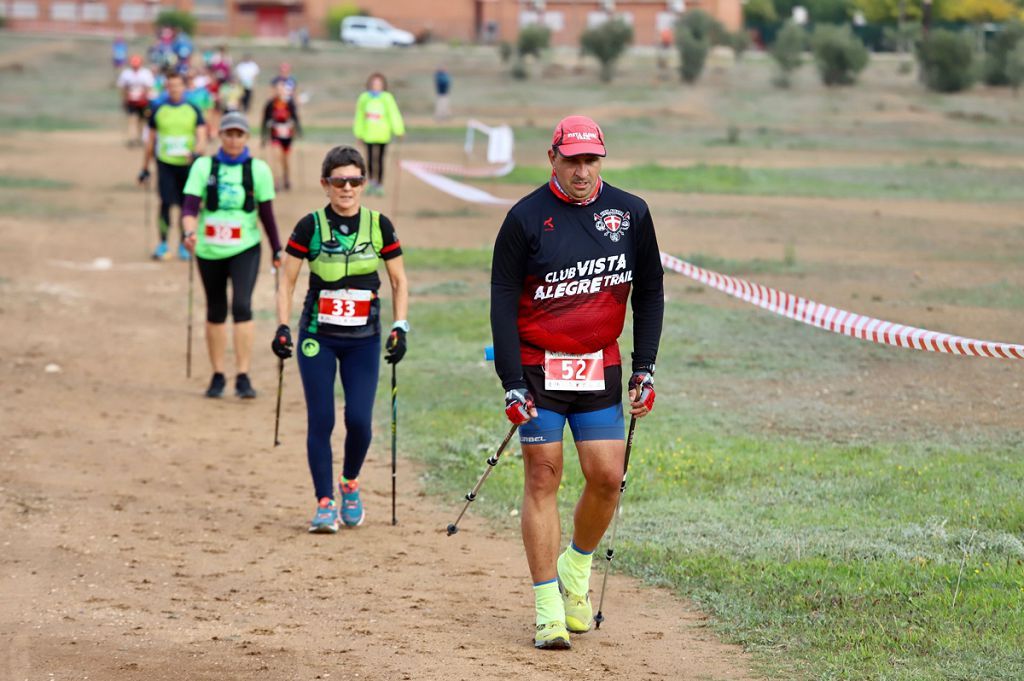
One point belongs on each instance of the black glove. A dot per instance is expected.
(143, 175)
(518, 403)
(395, 346)
(642, 381)
(282, 345)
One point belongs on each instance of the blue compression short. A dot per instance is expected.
(602, 424)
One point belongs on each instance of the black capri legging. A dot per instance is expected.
(242, 269)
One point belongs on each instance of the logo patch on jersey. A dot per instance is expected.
(612, 222)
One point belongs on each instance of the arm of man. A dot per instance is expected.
(648, 302)
(508, 270)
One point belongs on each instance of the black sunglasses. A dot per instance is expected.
(339, 182)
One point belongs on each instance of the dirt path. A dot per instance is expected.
(152, 534)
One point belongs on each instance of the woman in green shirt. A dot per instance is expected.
(377, 120)
(223, 196)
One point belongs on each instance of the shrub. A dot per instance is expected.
(179, 20)
(505, 50)
(740, 42)
(1015, 67)
(607, 42)
(839, 54)
(703, 26)
(788, 52)
(693, 51)
(1003, 43)
(533, 38)
(946, 60)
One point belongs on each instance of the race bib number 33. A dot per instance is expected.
(344, 307)
(564, 371)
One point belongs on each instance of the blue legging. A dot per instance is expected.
(358, 362)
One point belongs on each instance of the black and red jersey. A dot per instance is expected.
(280, 119)
(561, 275)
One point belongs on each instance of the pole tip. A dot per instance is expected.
(598, 618)
(452, 529)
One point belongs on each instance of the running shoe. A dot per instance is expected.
(579, 613)
(161, 251)
(326, 519)
(183, 253)
(352, 512)
(552, 636)
(243, 388)
(216, 388)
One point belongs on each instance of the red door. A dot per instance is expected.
(271, 22)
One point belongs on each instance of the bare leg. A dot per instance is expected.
(284, 168)
(601, 462)
(216, 343)
(243, 345)
(542, 531)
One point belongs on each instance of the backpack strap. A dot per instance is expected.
(248, 187)
(212, 186)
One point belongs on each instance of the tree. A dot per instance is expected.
(693, 51)
(1015, 67)
(759, 13)
(1005, 41)
(839, 55)
(788, 52)
(829, 11)
(533, 38)
(979, 11)
(946, 61)
(607, 42)
(179, 20)
(337, 14)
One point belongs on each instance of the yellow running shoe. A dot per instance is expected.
(579, 613)
(552, 636)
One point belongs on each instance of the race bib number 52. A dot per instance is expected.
(564, 371)
(344, 307)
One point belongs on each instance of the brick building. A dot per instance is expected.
(466, 20)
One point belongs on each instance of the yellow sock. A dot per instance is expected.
(574, 569)
(548, 602)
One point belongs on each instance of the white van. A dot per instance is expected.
(373, 32)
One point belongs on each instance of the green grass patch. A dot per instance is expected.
(21, 182)
(449, 259)
(433, 214)
(950, 182)
(999, 295)
(828, 561)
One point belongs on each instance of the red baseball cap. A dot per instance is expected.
(575, 135)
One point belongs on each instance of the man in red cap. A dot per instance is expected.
(565, 261)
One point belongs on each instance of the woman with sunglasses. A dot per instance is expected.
(339, 329)
(223, 196)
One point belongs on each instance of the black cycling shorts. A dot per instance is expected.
(242, 270)
(171, 181)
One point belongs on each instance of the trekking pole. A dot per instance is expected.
(492, 461)
(610, 552)
(145, 217)
(394, 442)
(280, 379)
(191, 287)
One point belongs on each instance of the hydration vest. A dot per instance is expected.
(352, 254)
(213, 191)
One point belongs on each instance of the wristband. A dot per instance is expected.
(401, 324)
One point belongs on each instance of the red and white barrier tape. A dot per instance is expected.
(781, 303)
(842, 321)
